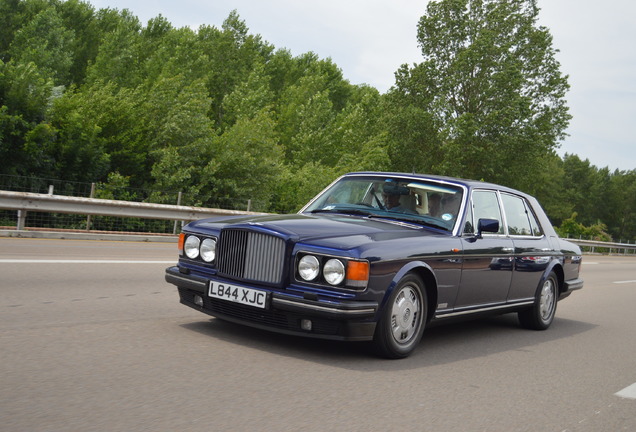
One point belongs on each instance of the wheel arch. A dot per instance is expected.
(557, 268)
(426, 273)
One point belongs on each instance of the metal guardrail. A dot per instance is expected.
(25, 202)
(593, 244)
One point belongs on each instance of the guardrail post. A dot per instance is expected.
(51, 189)
(88, 218)
(21, 220)
(174, 230)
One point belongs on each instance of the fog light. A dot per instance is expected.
(198, 300)
(305, 324)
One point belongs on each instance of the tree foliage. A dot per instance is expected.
(95, 95)
(487, 102)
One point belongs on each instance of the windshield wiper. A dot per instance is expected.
(406, 218)
(345, 210)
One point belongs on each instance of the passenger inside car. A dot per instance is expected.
(435, 205)
(398, 198)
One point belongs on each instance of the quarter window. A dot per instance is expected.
(536, 228)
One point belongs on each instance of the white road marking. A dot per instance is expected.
(50, 261)
(628, 392)
(624, 282)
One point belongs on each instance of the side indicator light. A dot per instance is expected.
(180, 243)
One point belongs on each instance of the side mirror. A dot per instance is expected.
(487, 225)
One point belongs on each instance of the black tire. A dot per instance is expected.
(401, 326)
(541, 314)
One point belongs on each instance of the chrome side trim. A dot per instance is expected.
(484, 309)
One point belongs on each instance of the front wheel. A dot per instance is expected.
(541, 314)
(402, 323)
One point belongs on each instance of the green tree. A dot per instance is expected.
(69, 141)
(551, 191)
(571, 228)
(623, 192)
(359, 139)
(582, 191)
(25, 95)
(232, 54)
(120, 52)
(46, 42)
(487, 102)
(181, 137)
(11, 13)
(172, 52)
(117, 113)
(249, 97)
(249, 160)
(303, 108)
(79, 16)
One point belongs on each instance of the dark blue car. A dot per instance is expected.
(379, 256)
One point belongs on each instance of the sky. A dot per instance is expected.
(369, 40)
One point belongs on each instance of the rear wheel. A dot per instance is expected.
(400, 329)
(541, 314)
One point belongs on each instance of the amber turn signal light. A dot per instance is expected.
(357, 273)
(180, 243)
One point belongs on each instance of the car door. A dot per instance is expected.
(533, 252)
(488, 259)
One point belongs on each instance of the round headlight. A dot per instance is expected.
(334, 271)
(308, 267)
(208, 250)
(191, 247)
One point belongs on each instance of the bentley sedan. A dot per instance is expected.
(379, 257)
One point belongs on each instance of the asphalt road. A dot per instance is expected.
(93, 339)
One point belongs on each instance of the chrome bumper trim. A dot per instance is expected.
(346, 311)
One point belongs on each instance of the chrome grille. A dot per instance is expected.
(251, 255)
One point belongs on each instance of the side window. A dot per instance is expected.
(516, 215)
(486, 206)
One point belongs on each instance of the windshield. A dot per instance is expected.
(426, 202)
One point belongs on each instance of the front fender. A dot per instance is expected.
(419, 267)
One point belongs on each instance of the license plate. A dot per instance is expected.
(237, 294)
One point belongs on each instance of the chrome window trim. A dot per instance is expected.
(455, 231)
(501, 212)
(529, 209)
(504, 217)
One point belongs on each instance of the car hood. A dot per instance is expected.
(327, 230)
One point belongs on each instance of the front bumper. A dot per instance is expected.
(337, 320)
